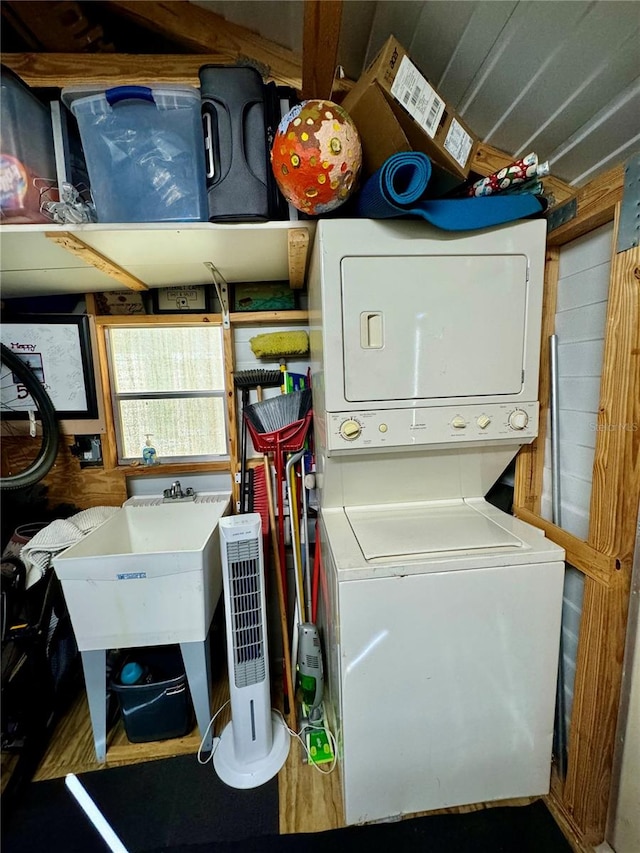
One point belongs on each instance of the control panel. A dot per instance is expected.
(451, 425)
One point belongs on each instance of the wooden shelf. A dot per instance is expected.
(45, 260)
(244, 318)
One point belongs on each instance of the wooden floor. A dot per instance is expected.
(310, 801)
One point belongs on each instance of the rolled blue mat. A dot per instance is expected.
(398, 189)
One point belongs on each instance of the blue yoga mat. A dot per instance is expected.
(398, 187)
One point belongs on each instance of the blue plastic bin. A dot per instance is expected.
(144, 149)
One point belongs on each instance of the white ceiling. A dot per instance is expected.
(559, 77)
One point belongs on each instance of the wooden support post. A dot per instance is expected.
(320, 47)
(298, 249)
(613, 516)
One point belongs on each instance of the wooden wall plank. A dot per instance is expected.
(580, 554)
(595, 206)
(320, 47)
(595, 705)
(613, 515)
(72, 243)
(616, 470)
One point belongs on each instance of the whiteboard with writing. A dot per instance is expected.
(54, 351)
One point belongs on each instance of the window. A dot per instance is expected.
(168, 383)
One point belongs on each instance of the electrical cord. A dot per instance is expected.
(216, 740)
(307, 727)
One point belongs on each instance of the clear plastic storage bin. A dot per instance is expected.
(144, 149)
(27, 160)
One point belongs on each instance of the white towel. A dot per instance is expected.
(58, 536)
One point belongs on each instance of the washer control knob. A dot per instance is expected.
(483, 421)
(350, 430)
(518, 419)
(458, 422)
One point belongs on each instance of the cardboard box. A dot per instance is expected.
(395, 109)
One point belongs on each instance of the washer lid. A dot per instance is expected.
(395, 530)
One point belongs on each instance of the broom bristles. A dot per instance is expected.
(278, 412)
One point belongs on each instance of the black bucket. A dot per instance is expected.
(158, 706)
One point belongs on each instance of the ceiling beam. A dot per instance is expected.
(321, 35)
(202, 31)
(59, 26)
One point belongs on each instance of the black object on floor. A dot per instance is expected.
(154, 805)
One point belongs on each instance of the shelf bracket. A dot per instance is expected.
(90, 256)
(298, 246)
(222, 290)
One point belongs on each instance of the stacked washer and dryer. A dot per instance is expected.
(439, 613)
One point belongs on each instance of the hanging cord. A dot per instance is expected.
(216, 740)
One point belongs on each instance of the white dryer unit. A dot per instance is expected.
(440, 613)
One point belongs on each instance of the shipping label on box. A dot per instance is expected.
(427, 122)
(418, 98)
(458, 143)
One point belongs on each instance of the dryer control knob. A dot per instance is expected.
(458, 422)
(350, 430)
(483, 421)
(518, 419)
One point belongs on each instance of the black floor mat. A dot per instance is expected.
(178, 806)
(524, 829)
(155, 805)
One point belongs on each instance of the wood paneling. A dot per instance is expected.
(582, 801)
(66, 482)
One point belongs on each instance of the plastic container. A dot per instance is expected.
(144, 149)
(27, 159)
(157, 706)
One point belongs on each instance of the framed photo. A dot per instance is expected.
(58, 348)
(181, 300)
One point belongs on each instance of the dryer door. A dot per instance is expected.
(421, 328)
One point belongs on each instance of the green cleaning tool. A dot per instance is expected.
(310, 669)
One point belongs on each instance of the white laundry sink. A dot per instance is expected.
(150, 575)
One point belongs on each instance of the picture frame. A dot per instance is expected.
(182, 299)
(58, 347)
(264, 296)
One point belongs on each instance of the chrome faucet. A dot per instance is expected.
(175, 493)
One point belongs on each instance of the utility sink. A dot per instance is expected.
(150, 575)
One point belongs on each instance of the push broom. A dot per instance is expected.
(247, 380)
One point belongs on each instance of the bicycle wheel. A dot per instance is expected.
(18, 381)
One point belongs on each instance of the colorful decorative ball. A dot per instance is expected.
(316, 156)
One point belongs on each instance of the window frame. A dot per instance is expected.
(116, 397)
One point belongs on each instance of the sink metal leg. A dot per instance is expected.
(197, 664)
(95, 677)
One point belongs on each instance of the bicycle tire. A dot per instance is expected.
(40, 466)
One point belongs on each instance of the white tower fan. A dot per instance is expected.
(255, 744)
